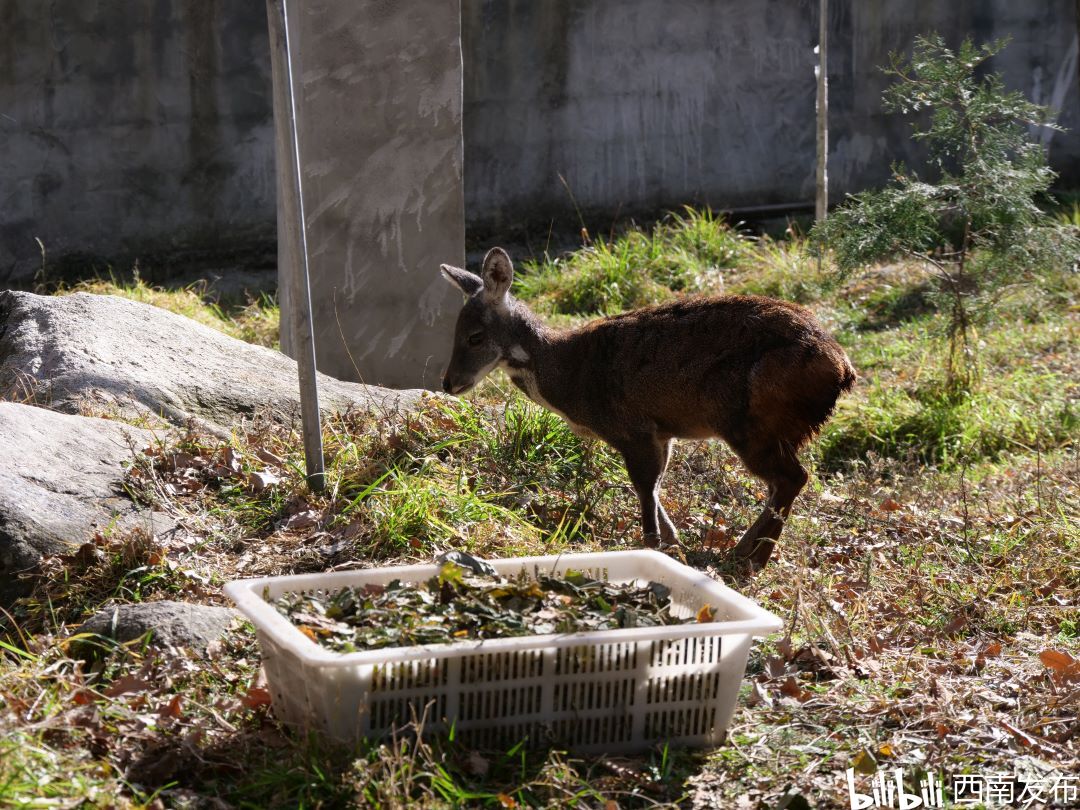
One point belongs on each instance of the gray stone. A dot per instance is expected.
(177, 624)
(379, 116)
(61, 480)
(99, 354)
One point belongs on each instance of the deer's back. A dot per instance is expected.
(697, 367)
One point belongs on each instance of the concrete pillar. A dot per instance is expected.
(379, 116)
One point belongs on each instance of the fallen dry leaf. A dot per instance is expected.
(760, 696)
(265, 455)
(129, 683)
(232, 460)
(791, 688)
(958, 623)
(775, 666)
(1044, 747)
(82, 697)
(302, 520)
(256, 696)
(864, 763)
(1064, 666)
(172, 708)
(718, 537)
(259, 481)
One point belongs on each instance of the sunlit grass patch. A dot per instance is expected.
(788, 268)
(34, 774)
(1022, 411)
(117, 733)
(112, 567)
(450, 474)
(683, 253)
(919, 601)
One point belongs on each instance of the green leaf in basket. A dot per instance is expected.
(451, 573)
(577, 578)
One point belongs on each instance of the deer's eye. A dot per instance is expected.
(476, 338)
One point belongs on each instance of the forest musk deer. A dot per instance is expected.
(759, 373)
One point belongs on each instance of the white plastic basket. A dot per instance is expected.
(613, 691)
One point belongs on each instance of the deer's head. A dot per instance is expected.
(484, 335)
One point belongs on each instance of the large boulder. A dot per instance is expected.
(96, 354)
(61, 481)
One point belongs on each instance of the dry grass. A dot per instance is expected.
(919, 607)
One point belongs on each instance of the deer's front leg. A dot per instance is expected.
(646, 459)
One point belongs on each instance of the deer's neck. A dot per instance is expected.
(533, 365)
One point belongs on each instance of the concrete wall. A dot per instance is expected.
(136, 128)
(643, 105)
(378, 92)
(143, 128)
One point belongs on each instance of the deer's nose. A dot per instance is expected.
(446, 386)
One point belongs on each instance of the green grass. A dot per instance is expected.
(1026, 377)
(933, 558)
(1023, 412)
(786, 268)
(687, 252)
(506, 481)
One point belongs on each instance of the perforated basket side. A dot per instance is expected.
(617, 698)
(287, 683)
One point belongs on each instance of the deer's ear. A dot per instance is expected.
(498, 274)
(468, 283)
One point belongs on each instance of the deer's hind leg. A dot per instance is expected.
(646, 460)
(776, 462)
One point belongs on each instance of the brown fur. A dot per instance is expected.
(757, 372)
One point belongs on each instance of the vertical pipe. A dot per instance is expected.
(290, 189)
(821, 204)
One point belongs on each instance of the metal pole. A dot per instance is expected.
(821, 207)
(296, 250)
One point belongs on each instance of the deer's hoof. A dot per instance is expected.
(752, 553)
(651, 540)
